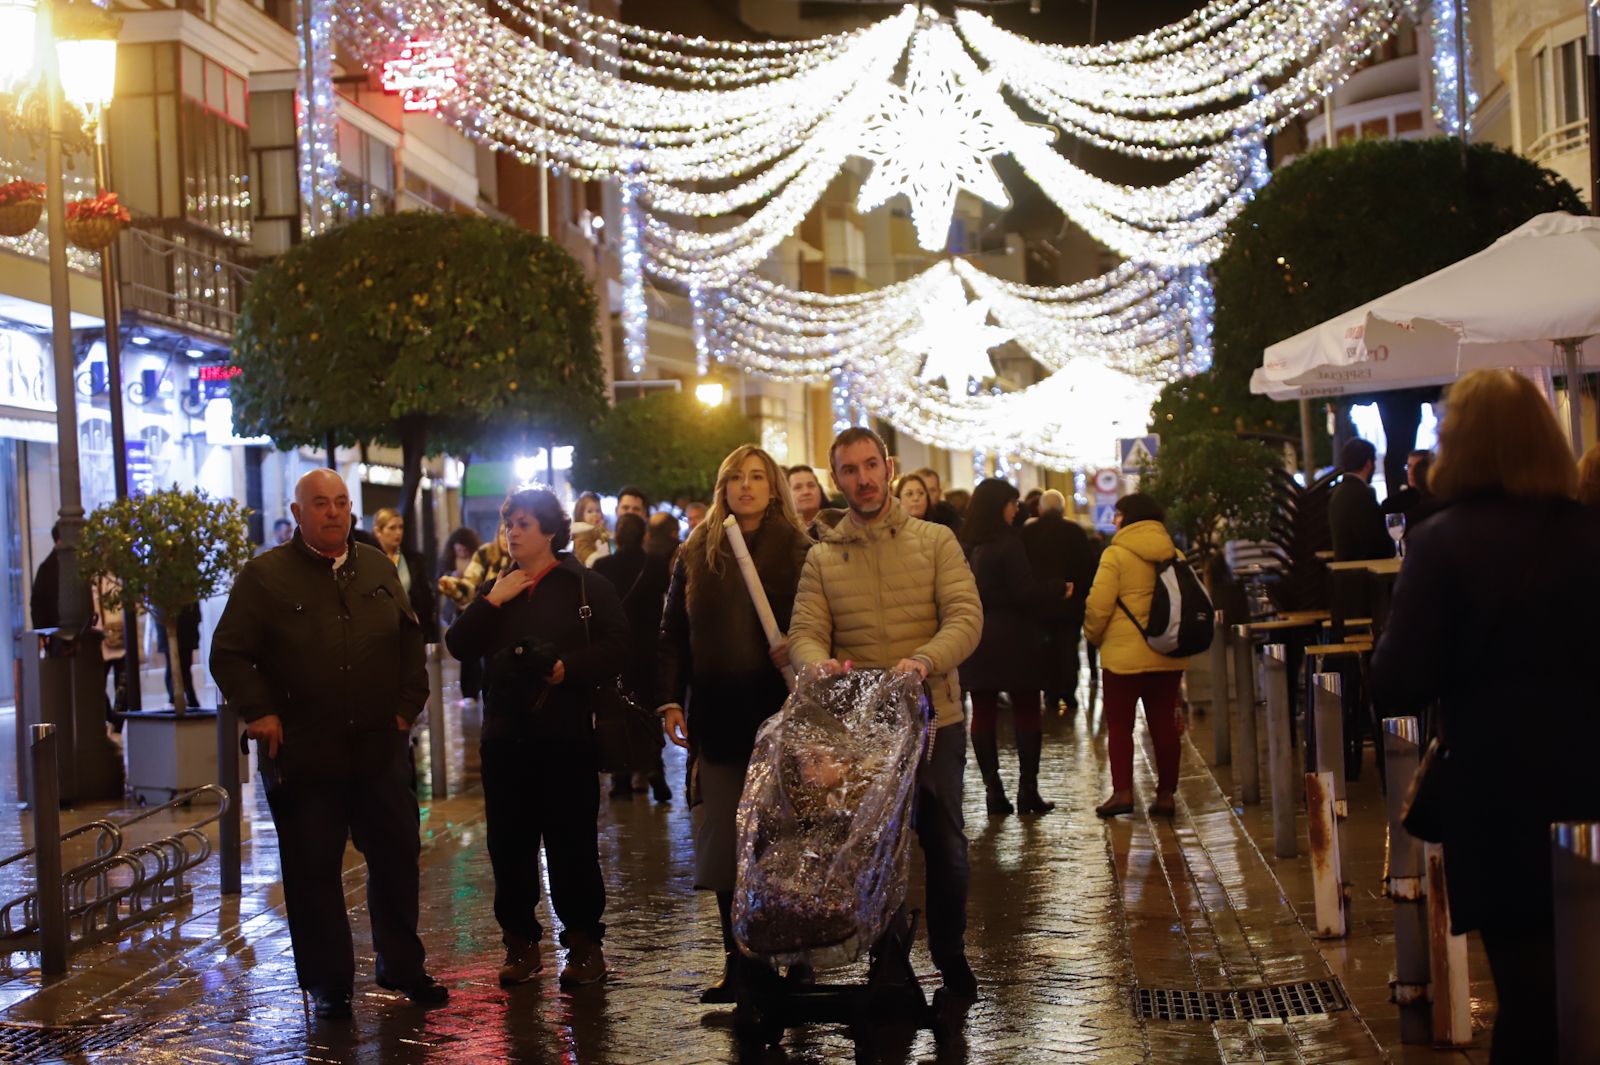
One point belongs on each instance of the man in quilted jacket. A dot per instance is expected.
(884, 590)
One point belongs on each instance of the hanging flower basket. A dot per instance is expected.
(21, 204)
(94, 221)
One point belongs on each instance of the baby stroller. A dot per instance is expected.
(824, 832)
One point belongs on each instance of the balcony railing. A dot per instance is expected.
(1572, 137)
(177, 277)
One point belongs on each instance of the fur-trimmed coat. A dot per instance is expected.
(713, 655)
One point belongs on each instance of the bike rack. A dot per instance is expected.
(118, 888)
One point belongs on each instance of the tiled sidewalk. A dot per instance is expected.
(1069, 916)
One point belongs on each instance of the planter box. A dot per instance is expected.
(168, 755)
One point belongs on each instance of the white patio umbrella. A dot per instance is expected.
(1532, 298)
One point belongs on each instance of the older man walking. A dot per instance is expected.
(319, 651)
(884, 590)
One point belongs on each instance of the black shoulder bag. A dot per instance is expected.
(628, 738)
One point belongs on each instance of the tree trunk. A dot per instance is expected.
(333, 459)
(413, 446)
(180, 702)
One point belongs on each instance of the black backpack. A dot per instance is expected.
(1182, 619)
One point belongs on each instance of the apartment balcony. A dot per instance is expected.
(178, 277)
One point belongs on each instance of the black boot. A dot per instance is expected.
(725, 990)
(994, 792)
(1029, 745)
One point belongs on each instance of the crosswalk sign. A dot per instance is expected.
(1138, 451)
(1105, 516)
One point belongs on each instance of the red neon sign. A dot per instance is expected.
(420, 75)
(219, 373)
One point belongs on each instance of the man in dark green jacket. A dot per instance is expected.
(319, 652)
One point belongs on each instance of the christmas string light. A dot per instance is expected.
(318, 132)
(635, 315)
(1451, 71)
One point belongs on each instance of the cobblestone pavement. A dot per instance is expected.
(1070, 916)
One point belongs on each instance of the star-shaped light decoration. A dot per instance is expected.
(954, 336)
(936, 134)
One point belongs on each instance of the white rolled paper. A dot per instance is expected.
(752, 584)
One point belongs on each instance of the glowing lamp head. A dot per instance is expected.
(88, 71)
(710, 392)
(18, 28)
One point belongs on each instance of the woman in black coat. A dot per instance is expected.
(641, 580)
(1011, 655)
(537, 753)
(718, 679)
(1492, 617)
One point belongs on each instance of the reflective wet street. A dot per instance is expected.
(1071, 919)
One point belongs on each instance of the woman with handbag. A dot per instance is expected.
(718, 680)
(1492, 620)
(641, 579)
(1131, 671)
(554, 635)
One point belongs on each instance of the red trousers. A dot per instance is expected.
(1025, 711)
(1159, 693)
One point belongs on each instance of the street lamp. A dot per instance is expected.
(710, 391)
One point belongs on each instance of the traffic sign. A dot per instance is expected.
(1106, 481)
(1138, 451)
(1105, 517)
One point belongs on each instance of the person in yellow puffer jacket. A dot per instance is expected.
(1130, 671)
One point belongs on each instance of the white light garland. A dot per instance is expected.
(1451, 71)
(635, 312)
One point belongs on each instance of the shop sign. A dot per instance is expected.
(25, 379)
(216, 381)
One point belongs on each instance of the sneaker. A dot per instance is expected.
(423, 991)
(331, 1005)
(522, 963)
(586, 963)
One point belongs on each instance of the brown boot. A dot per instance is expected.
(586, 963)
(521, 964)
(1164, 806)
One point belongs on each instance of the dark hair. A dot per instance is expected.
(854, 435)
(799, 468)
(1139, 507)
(986, 514)
(544, 508)
(661, 534)
(702, 504)
(447, 555)
(633, 490)
(55, 533)
(1418, 462)
(630, 533)
(1356, 454)
(282, 523)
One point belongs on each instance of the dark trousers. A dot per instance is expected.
(1064, 647)
(186, 652)
(1025, 712)
(531, 794)
(1522, 958)
(1159, 693)
(365, 796)
(941, 829)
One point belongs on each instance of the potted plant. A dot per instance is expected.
(21, 204)
(168, 550)
(93, 222)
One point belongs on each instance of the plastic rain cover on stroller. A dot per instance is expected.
(824, 822)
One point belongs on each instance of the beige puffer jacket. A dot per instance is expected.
(899, 588)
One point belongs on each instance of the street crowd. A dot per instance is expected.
(983, 596)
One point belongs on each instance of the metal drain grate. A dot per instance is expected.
(1275, 1002)
(30, 1042)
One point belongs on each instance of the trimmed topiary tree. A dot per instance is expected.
(1341, 226)
(666, 443)
(433, 332)
(167, 550)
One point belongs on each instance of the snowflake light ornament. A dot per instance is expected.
(937, 134)
(954, 337)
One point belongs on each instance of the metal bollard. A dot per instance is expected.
(1447, 960)
(51, 903)
(439, 754)
(1327, 874)
(1247, 765)
(1328, 691)
(1280, 752)
(1221, 705)
(230, 829)
(1403, 885)
(1575, 865)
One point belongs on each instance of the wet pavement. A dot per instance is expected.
(1070, 918)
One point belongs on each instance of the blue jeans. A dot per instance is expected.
(941, 829)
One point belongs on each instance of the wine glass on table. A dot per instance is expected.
(1396, 524)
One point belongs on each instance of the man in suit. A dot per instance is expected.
(1354, 518)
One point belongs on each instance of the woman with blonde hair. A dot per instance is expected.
(717, 678)
(1492, 620)
(590, 538)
